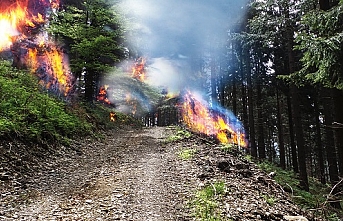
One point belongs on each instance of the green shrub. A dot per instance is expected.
(28, 113)
(206, 203)
(314, 199)
(180, 135)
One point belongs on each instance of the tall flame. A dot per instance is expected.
(12, 17)
(200, 118)
(138, 70)
(34, 51)
(16, 18)
(50, 64)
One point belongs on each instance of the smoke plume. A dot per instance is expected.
(177, 34)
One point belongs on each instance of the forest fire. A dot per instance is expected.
(102, 95)
(113, 116)
(199, 117)
(20, 22)
(12, 18)
(49, 63)
(19, 16)
(138, 70)
(132, 103)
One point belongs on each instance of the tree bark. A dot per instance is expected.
(89, 86)
(296, 110)
(280, 132)
(244, 93)
(252, 140)
(319, 150)
(234, 80)
(330, 143)
(294, 154)
(338, 125)
(260, 122)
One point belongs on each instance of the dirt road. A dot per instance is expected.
(129, 175)
(133, 174)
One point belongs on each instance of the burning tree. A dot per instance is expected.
(92, 32)
(22, 33)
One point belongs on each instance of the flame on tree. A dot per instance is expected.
(138, 70)
(21, 23)
(103, 95)
(199, 117)
(98, 44)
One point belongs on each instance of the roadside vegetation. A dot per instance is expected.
(316, 200)
(180, 134)
(205, 204)
(186, 154)
(30, 114)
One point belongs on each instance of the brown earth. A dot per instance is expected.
(132, 174)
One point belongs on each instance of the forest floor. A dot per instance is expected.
(134, 174)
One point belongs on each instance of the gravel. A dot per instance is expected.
(132, 175)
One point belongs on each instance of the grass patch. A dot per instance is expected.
(186, 154)
(269, 199)
(179, 135)
(227, 147)
(205, 204)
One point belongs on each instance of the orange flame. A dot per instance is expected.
(199, 118)
(113, 116)
(10, 20)
(102, 95)
(138, 70)
(50, 58)
(16, 17)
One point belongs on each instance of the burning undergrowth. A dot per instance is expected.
(214, 121)
(25, 41)
(128, 95)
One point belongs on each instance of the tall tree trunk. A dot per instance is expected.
(319, 150)
(338, 107)
(296, 110)
(294, 154)
(234, 93)
(244, 93)
(89, 86)
(338, 123)
(330, 143)
(260, 134)
(234, 80)
(251, 106)
(280, 132)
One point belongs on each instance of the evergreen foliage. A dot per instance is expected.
(94, 37)
(321, 41)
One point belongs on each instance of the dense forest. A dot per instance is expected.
(279, 71)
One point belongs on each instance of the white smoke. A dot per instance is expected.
(173, 34)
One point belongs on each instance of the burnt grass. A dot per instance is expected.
(135, 174)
